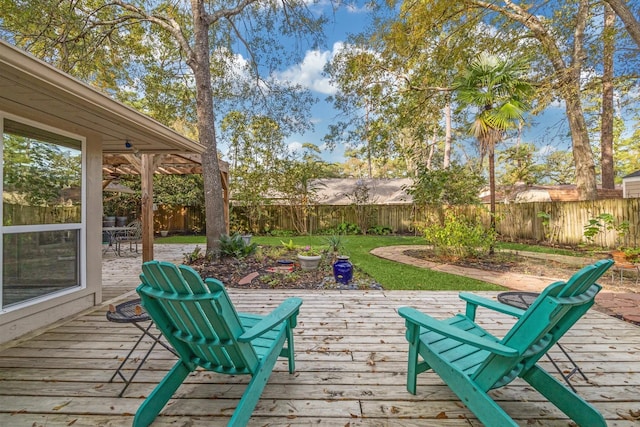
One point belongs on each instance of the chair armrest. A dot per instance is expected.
(283, 312)
(475, 300)
(416, 317)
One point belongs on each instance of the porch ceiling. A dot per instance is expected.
(169, 164)
(32, 86)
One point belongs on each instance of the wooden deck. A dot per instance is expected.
(350, 353)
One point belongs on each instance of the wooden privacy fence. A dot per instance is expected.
(565, 224)
(183, 219)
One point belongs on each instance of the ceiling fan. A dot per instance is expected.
(113, 176)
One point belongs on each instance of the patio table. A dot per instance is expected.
(111, 233)
(132, 312)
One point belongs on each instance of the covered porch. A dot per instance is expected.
(350, 353)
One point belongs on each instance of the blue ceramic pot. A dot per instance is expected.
(343, 270)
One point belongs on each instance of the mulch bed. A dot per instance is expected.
(231, 271)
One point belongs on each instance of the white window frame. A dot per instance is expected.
(10, 229)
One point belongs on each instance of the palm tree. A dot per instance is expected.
(498, 90)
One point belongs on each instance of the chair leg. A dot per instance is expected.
(159, 397)
(412, 371)
(290, 350)
(564, 399)
(252, 393)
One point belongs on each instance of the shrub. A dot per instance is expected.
(348, 228)
(380, 230)
(459, 237)
(235, 246)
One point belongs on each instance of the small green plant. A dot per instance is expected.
(546, 222)
(605, 222)
(336, 242)
(236, 247)
(308, 251)
(289, 246)
(190, 257)
(594, 227)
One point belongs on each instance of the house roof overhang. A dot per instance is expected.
(29, 84)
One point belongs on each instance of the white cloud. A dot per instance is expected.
(308, 73)
(295, 146)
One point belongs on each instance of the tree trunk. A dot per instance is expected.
(447, 134)
(606, 132)
(582, 154)
(213, 197)
(630, 22)
(492, 190)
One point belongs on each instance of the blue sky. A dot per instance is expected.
(346, 20)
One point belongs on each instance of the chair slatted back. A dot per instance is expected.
(197, 318)
(555, 310)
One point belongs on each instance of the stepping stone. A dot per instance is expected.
(246, 280)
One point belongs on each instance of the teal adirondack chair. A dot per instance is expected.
(471, 361)
(200, 322)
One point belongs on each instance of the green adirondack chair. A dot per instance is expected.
(471, 361)
(200, 322)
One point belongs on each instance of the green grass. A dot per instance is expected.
(390, 274)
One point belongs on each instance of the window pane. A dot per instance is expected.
(39, 263)
(42, 176)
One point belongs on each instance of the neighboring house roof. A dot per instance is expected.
(30, 84)
(635, 174)
(521, 193)
(340, 191)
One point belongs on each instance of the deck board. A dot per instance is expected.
(350, 359)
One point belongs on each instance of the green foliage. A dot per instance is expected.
(280, 233)
(602, 223)
(593, 227)
(632, 254)
(380, 230)
(546, 226)
(459, 237)
(38, 170)
(290, 246)
(558, 168)
(336, 242)
(236, 247)
(348, 228)
(298, 184)
(456, 185)
(362, 204)
(308, 251)
(196, 254)
(178, 190)
(519, 165)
